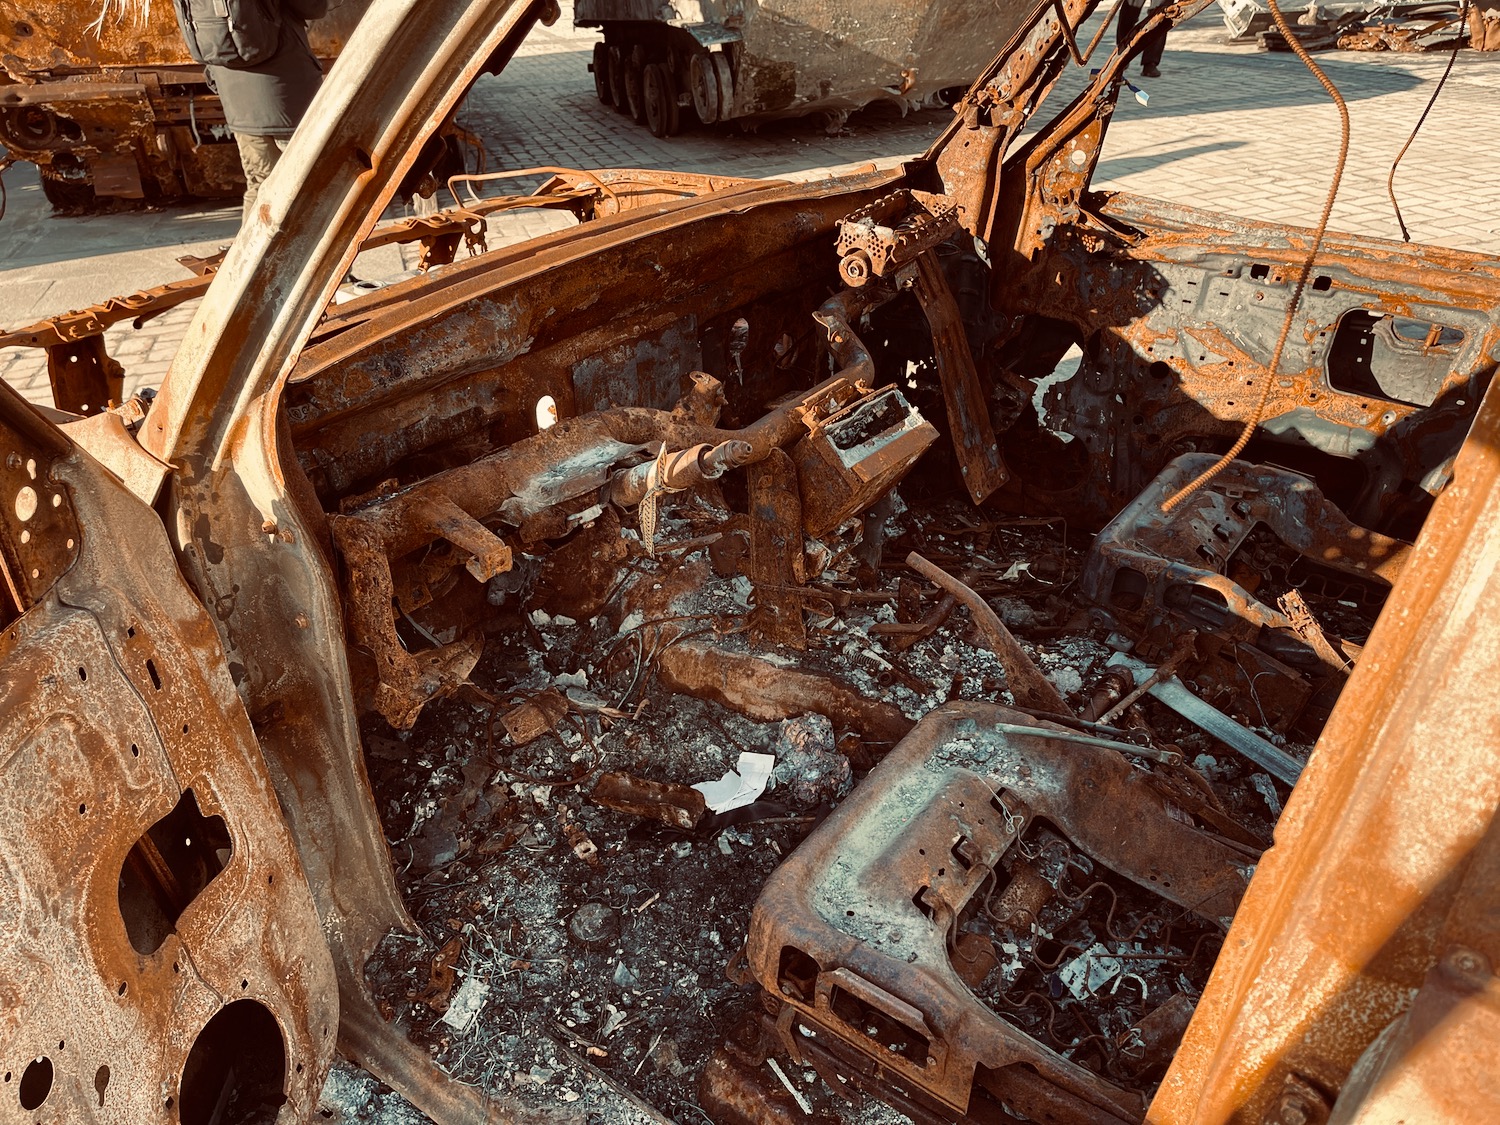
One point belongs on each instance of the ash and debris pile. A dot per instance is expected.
(573, 956)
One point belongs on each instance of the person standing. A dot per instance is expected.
(256, 57)
(1152, 48)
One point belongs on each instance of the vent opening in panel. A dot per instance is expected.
(892, 1034)
(168, 868)
(1396, 358)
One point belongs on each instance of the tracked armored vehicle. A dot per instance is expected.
(124, 114)
(667, 64)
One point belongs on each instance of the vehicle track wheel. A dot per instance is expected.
(601, 74)
(68, 195)
(617, 80)
(635, 93)
(725, 75)
(662, 115)
(704, 84)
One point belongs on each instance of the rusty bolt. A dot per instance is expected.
(1301, 1103)
(1468, 963)
(268, 526)
(301, 621)
(855, 268)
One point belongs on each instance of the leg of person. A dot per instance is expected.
(258, 155)
(1130, 15)
(1151, 52)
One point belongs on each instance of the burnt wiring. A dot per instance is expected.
(646, 658)
(1269, 379)
(1109, 919)
(1390, 182)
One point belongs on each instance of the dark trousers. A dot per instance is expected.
(1156, 42)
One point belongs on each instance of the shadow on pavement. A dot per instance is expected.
(1204, 82)
(32, 235)
(1134, 165)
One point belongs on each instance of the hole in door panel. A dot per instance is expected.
(1397, 358)
(169, 867)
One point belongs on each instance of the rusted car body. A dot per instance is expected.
(758, 60)
(302, 527)
(124, 114)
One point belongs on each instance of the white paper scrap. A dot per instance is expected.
(1090, 971)
(466, 1003)
(741, 785)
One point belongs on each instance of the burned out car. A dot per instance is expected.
(914, 479)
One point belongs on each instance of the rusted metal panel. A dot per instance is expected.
(115, 710)
(1344, 918)
(39, 532)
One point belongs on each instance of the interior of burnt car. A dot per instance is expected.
(1111, 579)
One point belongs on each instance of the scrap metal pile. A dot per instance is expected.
(1020, 774)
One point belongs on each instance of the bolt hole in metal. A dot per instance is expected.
(26, 503)
(546, 413)
(36, 1082)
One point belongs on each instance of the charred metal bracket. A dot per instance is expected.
(1146, 564)
(39, 532)
(405, 681)
(776, 554)
(969, 425)
(85, 380)
(969, 155)
(997, 107)
(852, 458)
(882, 237)
(896, 238)
(852, 938)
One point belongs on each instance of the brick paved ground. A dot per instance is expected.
(1227, 127)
